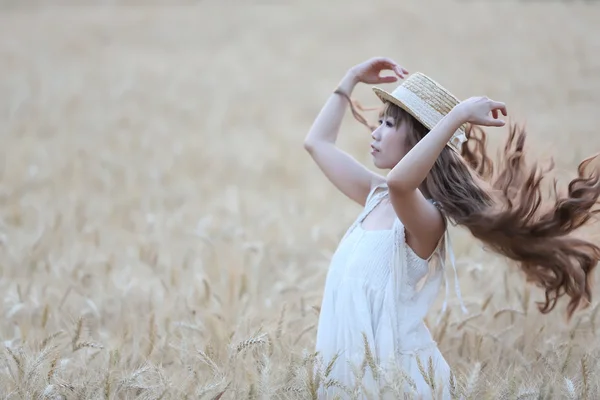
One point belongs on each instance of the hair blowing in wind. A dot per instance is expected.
(503, 205)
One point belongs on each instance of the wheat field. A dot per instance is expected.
(164, 235)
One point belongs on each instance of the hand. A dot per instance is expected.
(369, 71)
(476, 110)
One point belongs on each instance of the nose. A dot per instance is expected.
(375, 134)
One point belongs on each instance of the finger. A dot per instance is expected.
(400, 72)
(388, 61)
(391, 64)
(495, 122)
(495, 114)
(387, 79)
(498, 105)
(397, 72)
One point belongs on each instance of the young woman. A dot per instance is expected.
(390, 264)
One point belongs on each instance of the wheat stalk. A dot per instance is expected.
(463, 343)
(48, 339)
(45, 315)
(279, 329)
(411, 383)
(92, 345)
(329, 383)
(585, 372)
(40, 359)
(52, 369)
(570, 389)
(368, 355)
(317, 310)
(538, 333)
(253, 341)
(18, 359)
(152, 335)
(264, 387)
(473, 379)
(527, 394)
(467, 320)
(252, 392)
(593, 318)
(331, 364)
(207, 291)
(209, 361)
(510, 311)
(453, 389)
(303, 332)
(77, 333)
(217, 396)
(200, 392)
(314, 377)
(270, 345)
(107, 385)
(428, 377)
(478, 344)
(431, 375)
(487, 302)
(567, 358)
(445, 322)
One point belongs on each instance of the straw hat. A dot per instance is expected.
(427, 101)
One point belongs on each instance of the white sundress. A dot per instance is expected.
(378, 286)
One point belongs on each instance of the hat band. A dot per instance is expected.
(424, 113)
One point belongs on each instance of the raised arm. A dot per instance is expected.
(343, 171)
(421, 219)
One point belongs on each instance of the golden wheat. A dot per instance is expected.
(163, 235)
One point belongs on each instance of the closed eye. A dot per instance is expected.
(388, 123)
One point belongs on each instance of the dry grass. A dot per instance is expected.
(163, 234)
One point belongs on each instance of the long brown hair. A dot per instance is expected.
(503, 206)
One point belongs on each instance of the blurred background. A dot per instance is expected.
(157, 206)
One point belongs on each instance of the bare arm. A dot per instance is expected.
(421, 219)
(346, 173)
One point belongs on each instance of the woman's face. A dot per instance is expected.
(389, 142)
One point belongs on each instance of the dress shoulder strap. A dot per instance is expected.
(447, 250)
(375, 194)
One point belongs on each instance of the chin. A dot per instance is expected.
(385, 164)
(379, 164)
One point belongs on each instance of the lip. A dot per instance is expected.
(374, 149)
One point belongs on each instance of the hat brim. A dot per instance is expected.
(386, 96)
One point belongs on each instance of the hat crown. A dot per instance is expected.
(427, 101)
(430, 91)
